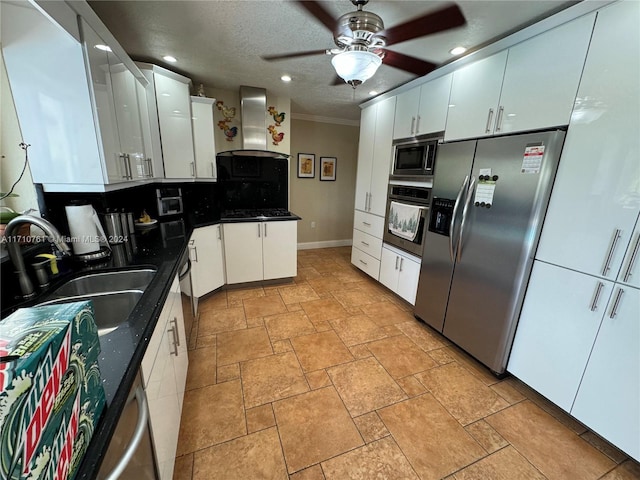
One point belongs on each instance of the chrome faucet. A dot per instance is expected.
(54, 236)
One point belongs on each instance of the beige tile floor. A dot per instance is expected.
(331, 377)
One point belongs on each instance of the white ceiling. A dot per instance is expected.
(219, 42)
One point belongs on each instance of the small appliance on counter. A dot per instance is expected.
(88, 239)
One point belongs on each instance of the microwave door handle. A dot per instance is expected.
(452, 253)
(427, 155)
(464, 216)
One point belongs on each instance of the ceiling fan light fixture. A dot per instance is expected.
(356, 66)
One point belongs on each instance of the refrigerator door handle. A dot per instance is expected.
(464, 216)
(452, 253)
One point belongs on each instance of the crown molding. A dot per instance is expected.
(320, 119)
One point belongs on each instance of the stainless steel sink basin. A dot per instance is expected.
(111, 309)
(102, 282)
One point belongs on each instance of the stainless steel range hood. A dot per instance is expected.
(253, 108)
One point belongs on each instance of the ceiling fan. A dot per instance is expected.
(361, 38)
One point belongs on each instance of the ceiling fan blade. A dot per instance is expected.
(284, 56)
(409, 64)
(432, 22)
(319, 12)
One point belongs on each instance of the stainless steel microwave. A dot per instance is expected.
(414, 160)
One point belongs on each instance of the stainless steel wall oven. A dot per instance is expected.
(407, 216)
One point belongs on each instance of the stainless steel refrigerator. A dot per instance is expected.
(488, 202)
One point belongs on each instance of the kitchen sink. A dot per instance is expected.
(103, 282)
(111, 308)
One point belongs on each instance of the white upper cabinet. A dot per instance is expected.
(365, 156)
(532, 85)
(423, 110)
(203, 137)
(173, 102)
(594, 205)
(475, 93)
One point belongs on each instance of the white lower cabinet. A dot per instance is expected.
(367, 242)
(206, 253)
(257, 251)
(399, 272)
(164, 373)
(578, 344)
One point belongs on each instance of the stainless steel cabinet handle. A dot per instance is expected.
(401, 260)
(464, 216)
(173, 331)
(499, 118)
(193, 169)
(194, 249)
(417, 124)
(129, 166)
(396, 263)
(489, 117)
(367, 224)
(616, 302)
(632, 260)
(259, 231)
(219, 233)
(364, 243)
(596, 296)
(175, 322)
(125, 175)
(362, 261)
(143, 419)
(213, 169)
(265, 230)
(370, 200)
(612, 248)
(366, 200)
(150, 168)
(413, 124)
(452, 253)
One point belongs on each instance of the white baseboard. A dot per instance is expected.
(325, 244)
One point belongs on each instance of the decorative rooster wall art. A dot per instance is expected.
(275, 135)
(225, 125)
(277, 117)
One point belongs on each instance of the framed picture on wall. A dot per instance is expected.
(328, 168)
(306, 165)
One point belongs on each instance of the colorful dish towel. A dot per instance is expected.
(404, 220)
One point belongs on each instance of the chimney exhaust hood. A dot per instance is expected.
(253, 110)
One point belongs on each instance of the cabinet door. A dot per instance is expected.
(542, 76)
(207, 270)
(434, 105)
(203, 137)
(406, 114)
(150, 131)
(279, 249)
(608, 400)
(409, 272)
(174, 115)
(365, 156)
(243, 252)
(382, 154)
(181, 358)
(592, 210)
(475, 92)
(389, 262)
(558, 324)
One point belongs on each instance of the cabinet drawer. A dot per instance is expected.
(367, 243)
(366, 263)
(371, 224)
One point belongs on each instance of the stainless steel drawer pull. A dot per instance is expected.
(612, 248)
(363, 262)
(596, 296)
(616, 302)
(634, 254)
(364, 243)
(367, 224)
(489, 117)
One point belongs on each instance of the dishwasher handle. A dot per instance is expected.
(143, 418)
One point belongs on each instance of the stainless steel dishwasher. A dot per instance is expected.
(130, 453)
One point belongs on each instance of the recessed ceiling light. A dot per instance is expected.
(457, 50)
(285, 78)
(104, 48)
(373, 92)
(169, 58)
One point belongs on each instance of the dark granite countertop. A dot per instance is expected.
(124, 347)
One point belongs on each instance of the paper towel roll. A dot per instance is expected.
(85, 228)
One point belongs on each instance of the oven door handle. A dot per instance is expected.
(452, 252)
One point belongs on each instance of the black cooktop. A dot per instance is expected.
(256, 213)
